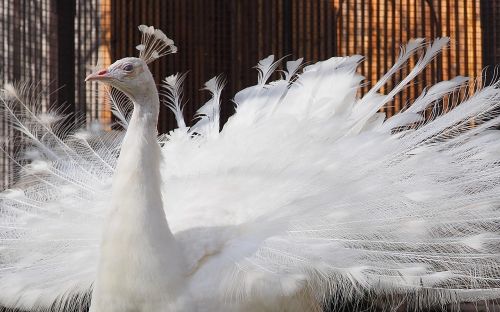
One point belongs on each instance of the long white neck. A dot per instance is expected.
(137, 180)
(139, 255)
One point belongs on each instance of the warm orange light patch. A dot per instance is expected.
(376, 29)
(105, 56)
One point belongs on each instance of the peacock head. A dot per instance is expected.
(128, 75)
(131, 74)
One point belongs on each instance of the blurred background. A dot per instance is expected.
(55, 43)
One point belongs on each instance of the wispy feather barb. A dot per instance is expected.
(121, 106)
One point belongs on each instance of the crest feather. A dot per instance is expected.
(154, 44)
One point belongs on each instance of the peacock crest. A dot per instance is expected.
(154, 44)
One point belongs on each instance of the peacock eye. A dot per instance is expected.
(128, 67)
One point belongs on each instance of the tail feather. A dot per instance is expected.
(367, 106)
(209, 113)
(478, 108)
(172, 86)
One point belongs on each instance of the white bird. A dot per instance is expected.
(307, 196)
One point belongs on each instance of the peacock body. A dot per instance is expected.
(307, 195)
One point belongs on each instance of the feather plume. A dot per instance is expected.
(209, 114)
(292, 67)
(172, 93)
(266, 67)
(367, 109)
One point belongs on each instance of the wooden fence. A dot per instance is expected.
(51, 44)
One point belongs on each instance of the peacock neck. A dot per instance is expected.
(137, 178)
(139, 253)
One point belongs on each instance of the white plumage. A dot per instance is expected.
(307, 195)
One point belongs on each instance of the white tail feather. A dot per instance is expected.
(172, 86)
(209, 113)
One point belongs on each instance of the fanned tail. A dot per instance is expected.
(50, 220)
(406, 206)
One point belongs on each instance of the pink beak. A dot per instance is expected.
(100, 75)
